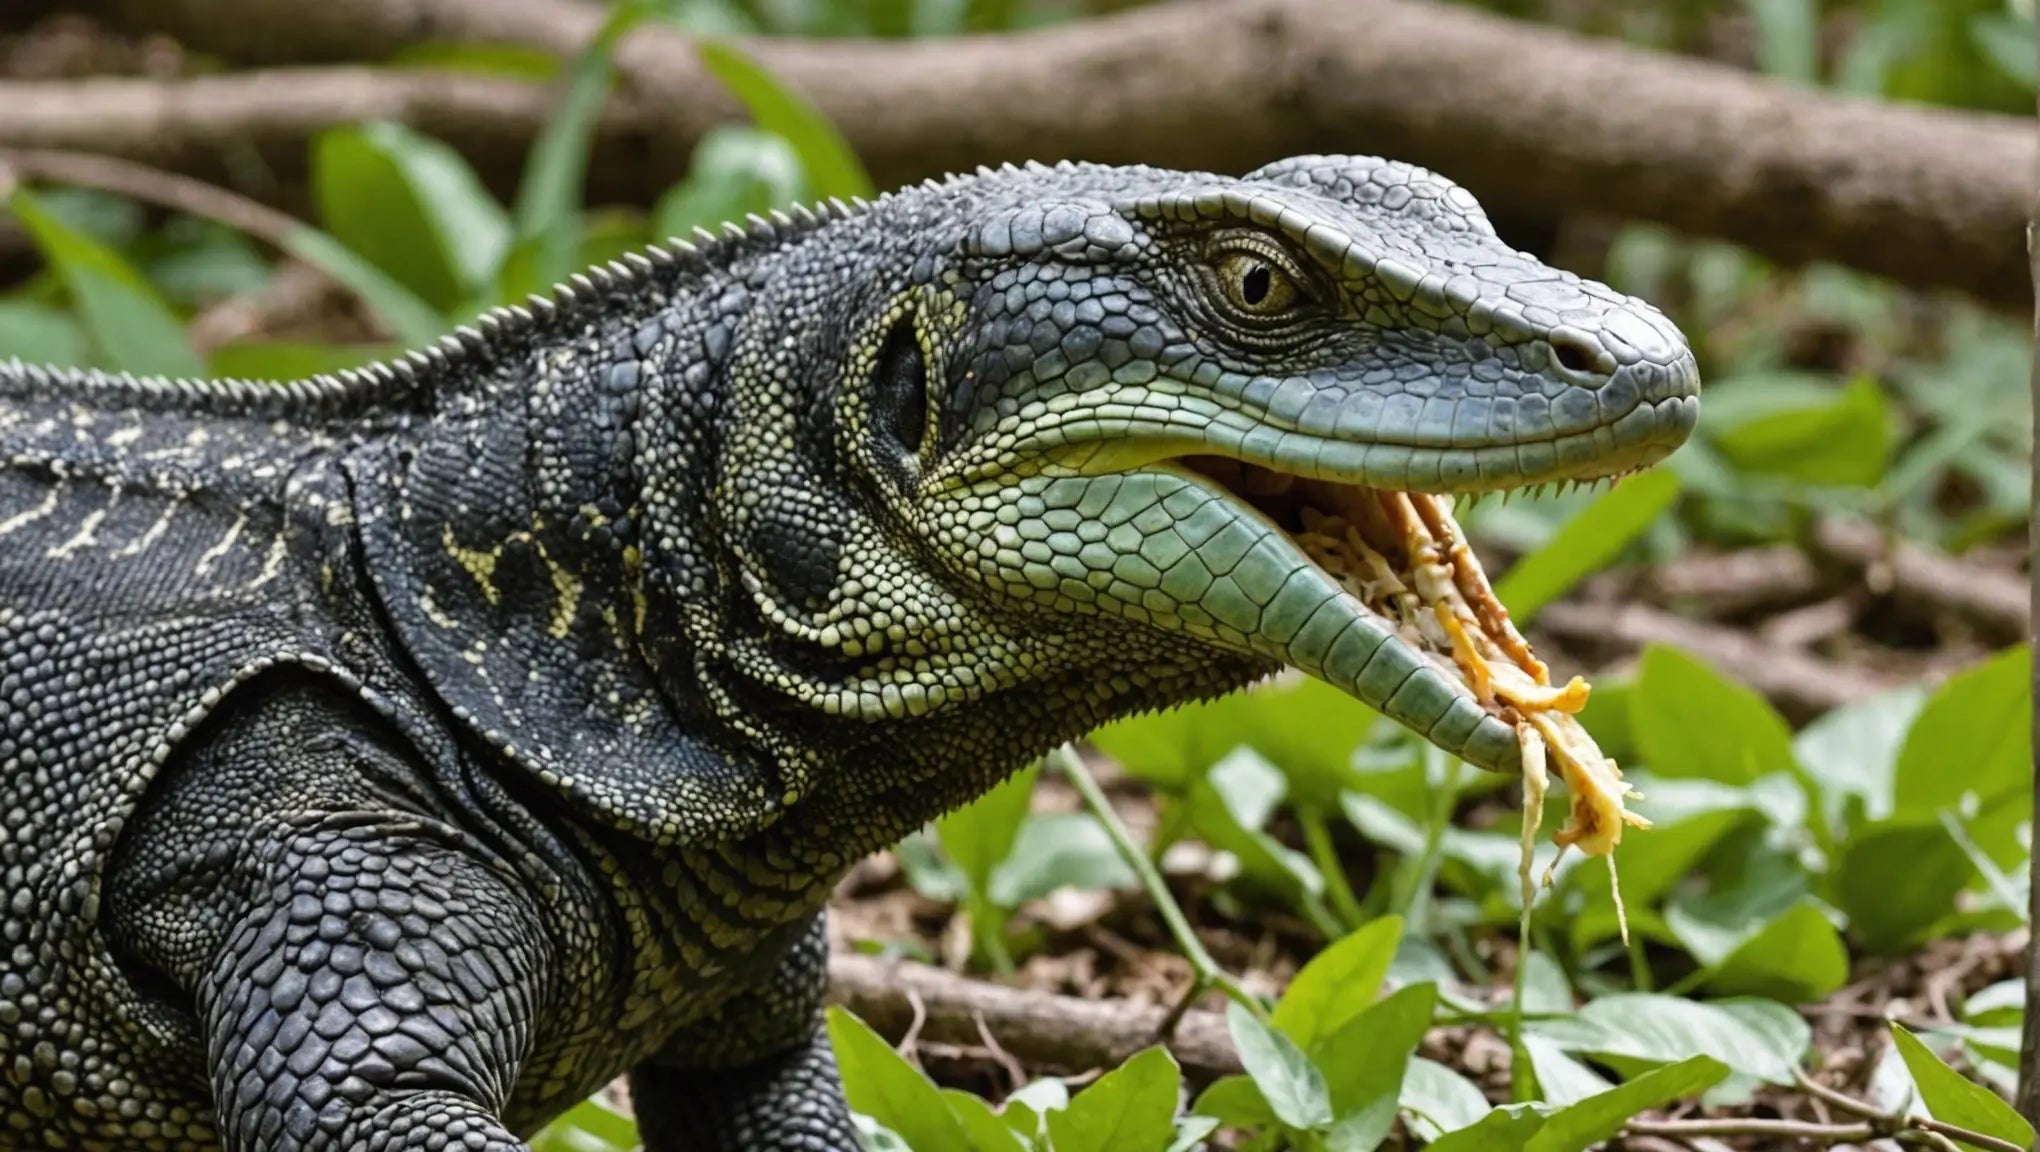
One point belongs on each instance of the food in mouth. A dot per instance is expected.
(1403, 556)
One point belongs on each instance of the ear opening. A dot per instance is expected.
(899, 389)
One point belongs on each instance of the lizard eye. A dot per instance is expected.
(1257, 285)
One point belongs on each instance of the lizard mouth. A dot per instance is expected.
(1402, 558)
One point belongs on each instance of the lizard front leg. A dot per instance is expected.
(380, 995)
(759, 1077)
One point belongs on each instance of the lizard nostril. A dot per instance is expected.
(1572, 355)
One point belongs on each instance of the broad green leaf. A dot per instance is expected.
(1131, 1107)
(1587, 542)
(1191, 1133)
(1058, 850)
(1227, 806)
(1561, 1080)
(979, 836)
(1895, 881)
(832, 168)
(1751, 880)
(409, 318)
(194, 262)
(1438, 1099)
(1851, 752)
(985, 1130)
(736, 170)
(1635, 1030)
(1170, 749)
(1294, 1088)
(1309, 730)
(1691, 721)
(875, 1137)
(1845, 440)
(1506, 1129)
(2006, 40)
(1363, 1064)
(1338, 983)
(590, 1126)
(2001, 1003)
(1797, 958)
(40, 334)
(1236, 1102)
(1953, 1099)
(413, 207)
(286, 361)
(129, 324)
(881, 1084)
(1596, 1118)
(1973, 736)
(1606, 717)
(1689, 817)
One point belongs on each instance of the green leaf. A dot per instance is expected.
(590, 1126)
(1171, 749)
(881, 1084)
(40, 334)
(1293, 1086)
(832, 168)
(1797, 958)
(1309, 730)
(1227, 809)
(1588, 541)
(1954, 1099)
(549, 197)
(413, 207)
(129, 324)
(1692, 722)
(979, 836)
(1191, 1133)
(410, 319)
(1507, 1129)
(2006, 40)
(985, 1130)
(1058, 850)
(1363, 1064)
(1337, 984)
(1439, 1099)
(1561, 1080)
(1973, 736)
(1845, 440)
(1131, 1107)
(1599, 1117)
(736, 170)
(1690, 817)
(1635, 1030)
(1236, 1102)
(1851, 752)
(1896, 881)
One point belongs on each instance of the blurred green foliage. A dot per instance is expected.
(1776, 855)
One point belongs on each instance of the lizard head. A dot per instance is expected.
(1092, 426)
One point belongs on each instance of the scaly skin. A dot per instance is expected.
(388, 760)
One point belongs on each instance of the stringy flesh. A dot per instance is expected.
(1439, 601)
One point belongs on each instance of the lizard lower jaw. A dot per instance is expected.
(1392, 556)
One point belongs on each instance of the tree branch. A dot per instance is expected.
(1039, 1029)
(1533, 119)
